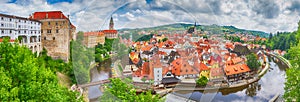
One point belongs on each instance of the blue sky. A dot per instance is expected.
(88, 15)
(49, 1)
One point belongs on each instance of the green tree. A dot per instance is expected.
(119, 91)
(202, 81)
(292, 84)
(23, 78)
(164, 39)
(252, 61)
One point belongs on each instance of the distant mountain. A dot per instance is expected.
(211, 29)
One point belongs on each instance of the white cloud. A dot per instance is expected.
(94, 15)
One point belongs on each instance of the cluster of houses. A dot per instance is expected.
(182, 56)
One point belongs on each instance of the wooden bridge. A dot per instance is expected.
(94, 83)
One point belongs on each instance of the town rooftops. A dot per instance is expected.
(236, 69)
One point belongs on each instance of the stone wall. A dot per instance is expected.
(56, 37)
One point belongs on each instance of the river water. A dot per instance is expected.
(267, 87)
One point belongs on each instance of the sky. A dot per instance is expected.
(90, 15)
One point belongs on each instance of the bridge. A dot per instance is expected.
(94, 83)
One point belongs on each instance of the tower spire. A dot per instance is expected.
(111, 24)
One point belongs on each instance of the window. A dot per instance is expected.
(1, 18)
(48, 30)
(53, 38)
(57, 30)
(10, 19)
(10, 31)
(2, 31)
(42, 31)
(48, 23)
(2, 24)
(44, 38)
(56, 23)
(19, 26)
(19, 32)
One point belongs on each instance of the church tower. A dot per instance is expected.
(111, 24)
(195, 30)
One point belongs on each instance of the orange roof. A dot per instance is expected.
(203, 67)
(229, 45)
(136, 60)
(236, 69)
(176, 66)
(160, 44)
(147, 48)
(109, 31)
(237, 60)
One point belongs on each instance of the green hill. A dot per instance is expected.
(211, 29)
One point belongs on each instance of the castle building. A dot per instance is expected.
(91, 39)
(56, 33)
(111, 33)
(26, 30)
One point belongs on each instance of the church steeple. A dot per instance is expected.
(195, 30)
(111, 24)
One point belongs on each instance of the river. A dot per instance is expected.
(267, 87)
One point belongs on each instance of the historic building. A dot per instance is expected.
(57, 32)
(111, 33)
(26, 30)
(91, 39)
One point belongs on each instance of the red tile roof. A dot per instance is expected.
(48, 15)
(203, 67)
(147, 48)
(110, 31)
(236, 69)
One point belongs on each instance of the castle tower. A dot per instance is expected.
(111, 24)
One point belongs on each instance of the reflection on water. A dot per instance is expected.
(100, 72)
(263, 90)
(268, 86)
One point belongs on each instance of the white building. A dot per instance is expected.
(157, 75)
(26, 30)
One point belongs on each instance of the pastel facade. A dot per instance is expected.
(26, 30)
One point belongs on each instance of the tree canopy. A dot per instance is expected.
(292, 84)
(23, 78)
(202, 81)
(252, 61)
(119, 91)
